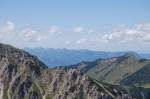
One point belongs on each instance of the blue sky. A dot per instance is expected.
(68, 13)
(76, 24)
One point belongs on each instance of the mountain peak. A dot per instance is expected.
(131, 55)
(18, 56)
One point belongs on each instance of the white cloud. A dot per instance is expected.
(7, 30)
(67, 42)
(77, 29)
(81, 41)
(90, 31)
(8, 27)
(33, 35)
(138, 32)
(53, 29)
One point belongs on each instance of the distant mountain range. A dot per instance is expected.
(60, 57)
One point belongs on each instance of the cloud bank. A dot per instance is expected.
(136, 33)
(123, 37)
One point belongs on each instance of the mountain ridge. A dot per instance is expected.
(117, 69)
(29, 78)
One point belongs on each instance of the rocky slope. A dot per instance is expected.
(17, 68)
(23, 76)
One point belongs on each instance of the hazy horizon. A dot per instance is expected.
(97, 25)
